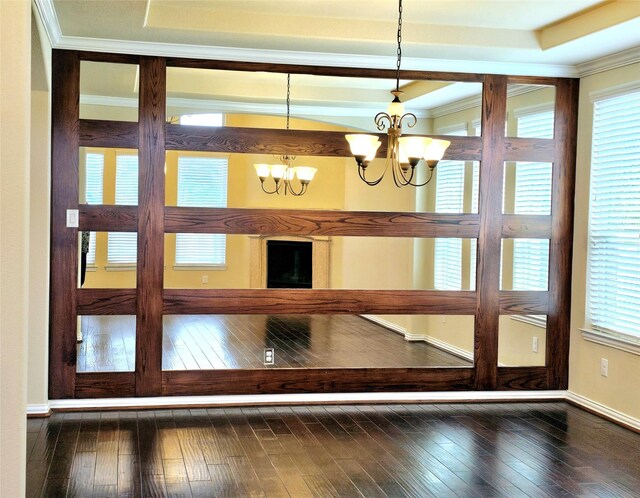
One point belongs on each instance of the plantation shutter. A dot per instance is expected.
(449, 199)
(202, 182)
(122, 246)
(532, 196)
(614, 219)
(94, 173)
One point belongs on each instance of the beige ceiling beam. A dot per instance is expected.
(605, 16)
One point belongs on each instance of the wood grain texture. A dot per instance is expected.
(65, 98)
(490, 209)
(321, 70)
(536, 449)
(317, 301)
(103, 218)
(105, 385)
(526, 226)
(533, 80)
(210, 382)
(524, 302)
(86, 55)
(106, 301)
(317, 222)
(561, 244)
(115, 134)
(529, 149)
(522, 378)
(150, 267)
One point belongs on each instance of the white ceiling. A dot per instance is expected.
(530, 37)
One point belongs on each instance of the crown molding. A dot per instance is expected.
(608, 62)
(47, 13)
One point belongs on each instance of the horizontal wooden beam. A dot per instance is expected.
(106, 301)
(122, 134)
(309, 380)
(105, 385)
(105, 218)
(524, 302)
(316, 222)
(317, 301)
(324, 70)
(526, 226)
(522, 378)
(529, 149)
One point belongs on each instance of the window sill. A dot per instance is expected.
(616, 340)
(194, 267)
(531, 320)
(92, 268)
(120, 267)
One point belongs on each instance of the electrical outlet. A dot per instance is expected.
(444, 318)
(604, 367)
(269, 356)
(534, 345)
(205, 279)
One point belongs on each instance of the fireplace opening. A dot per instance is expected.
(289, 264)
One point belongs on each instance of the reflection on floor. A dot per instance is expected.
(502, 450)
(202, 342)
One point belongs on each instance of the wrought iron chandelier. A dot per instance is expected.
(403, 153)
(283, 174)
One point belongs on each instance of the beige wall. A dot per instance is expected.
(619, 391)
(15, 94)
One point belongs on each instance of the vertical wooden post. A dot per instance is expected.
(561, 244)
(494, 104)
(65, 145)
(150, 269)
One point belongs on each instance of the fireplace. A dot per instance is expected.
(289, 264)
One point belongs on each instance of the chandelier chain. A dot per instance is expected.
(288, 97)
(399, 45)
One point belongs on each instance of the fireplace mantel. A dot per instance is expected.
(258, 257)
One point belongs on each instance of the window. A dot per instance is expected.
(122, 246)
(614, 219)
(202, 182)
(201, 119)
(94, 173)
(449, 199)
(532, 196)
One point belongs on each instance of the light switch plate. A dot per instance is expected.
(72, 218)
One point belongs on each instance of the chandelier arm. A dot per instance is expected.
(399, 177)
(412, 117)
(371, 183)
(274, 191)
(380, 119)
(423, 184)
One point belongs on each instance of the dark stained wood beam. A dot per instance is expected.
(289, 381)
(106, 301)
(526, 226)
(65, 111)
(150, 269)
(316, 222)
(317, 301)
(524, 302)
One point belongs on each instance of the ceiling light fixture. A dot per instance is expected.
(283, 174)
(403, 153)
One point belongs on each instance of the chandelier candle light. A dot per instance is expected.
(403, 153)
(283, 174)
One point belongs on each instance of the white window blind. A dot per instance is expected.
(532, 196)
(94, 174)
(614, 217)
(202, 182)
(449, 199)
(122, 246)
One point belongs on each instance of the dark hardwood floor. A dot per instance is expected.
(203, 342)
(421, 450)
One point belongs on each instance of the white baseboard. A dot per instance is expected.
(334, 398)
(41, 410)
(603, 411)
(444, 346)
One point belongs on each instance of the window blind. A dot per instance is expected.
(613, 263)
(94, 179)
(122, 246)
(202, 182)
(532, 196)
(449, 199)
